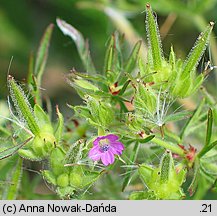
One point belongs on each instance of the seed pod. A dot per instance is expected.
(154, 40)
(197, 51)
(166, 166)
(22, 105)
(187, 82)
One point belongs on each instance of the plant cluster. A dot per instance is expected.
(125, 122)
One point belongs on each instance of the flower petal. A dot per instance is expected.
(115, 151)
(111, 137)
(117, 145)
(94, 153)
(96, 141)
(107, 158)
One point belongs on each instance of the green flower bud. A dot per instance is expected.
(43, 144)
(63, 180)
(75, 179)
(80, 177)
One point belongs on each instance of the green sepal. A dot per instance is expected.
(42, 119)
(29, 154)
(49, 177)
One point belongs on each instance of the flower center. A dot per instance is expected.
(104, 145)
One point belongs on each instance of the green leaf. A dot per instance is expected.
(153, 38)
(123, 89)
(207, 148)
(60, 126)
(131, 61)
(81, 44)
(11, 151)
(197, 51)
(112, 62)
(11, 191)
(145, 140)
(30, 69)
(209, 169)
(209, 127)
(41, 59)
(82, 111)
(109, 56)
(178, 116)
(42, 53)
(194, 183)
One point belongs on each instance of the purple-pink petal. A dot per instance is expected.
(112, 137)
(118, 145)
(94, 153)
(107, 158)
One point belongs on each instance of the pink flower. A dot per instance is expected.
(105, 147)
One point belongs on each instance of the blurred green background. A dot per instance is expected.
(23, 22)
